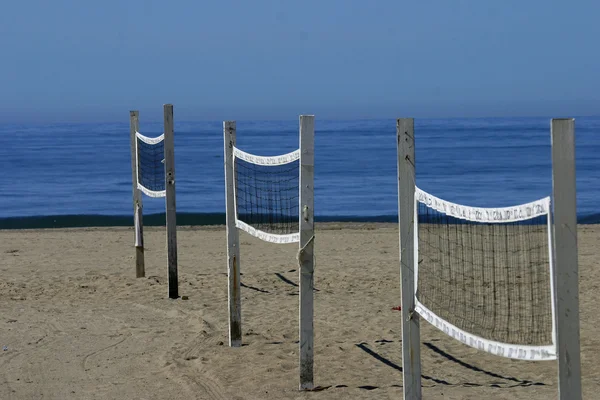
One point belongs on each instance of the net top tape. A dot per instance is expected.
(269, 161)
(150, 140)
(490, 215)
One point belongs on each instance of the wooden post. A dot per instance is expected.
(411, 352)
(233, 241)
(566, 268)
(138, 214)
(305, 254)
(171, 213)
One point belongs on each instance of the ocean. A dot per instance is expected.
(80, 174)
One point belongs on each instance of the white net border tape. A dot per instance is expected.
(262, 160)
(151, 193)
(477, 214)
(267, 237)
(150, 140)
(519, 352)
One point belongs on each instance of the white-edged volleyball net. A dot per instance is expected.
(150, 155)
(266, 195)
(272, 199)
(484, 276)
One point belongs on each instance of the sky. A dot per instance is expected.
(77, 61)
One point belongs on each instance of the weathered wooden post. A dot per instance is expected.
(306, 251)
(233, 240)
(566, 269)
(138, 217)
(411, 342)
(171, 212)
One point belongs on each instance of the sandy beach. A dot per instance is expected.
(75, 323)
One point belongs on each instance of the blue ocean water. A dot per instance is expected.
(84, 169)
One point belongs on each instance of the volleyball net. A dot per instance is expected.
(150, 156)
(272, 199)
(266, 195)
(484, 275)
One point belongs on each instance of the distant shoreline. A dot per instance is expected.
(158, 219)
(183, 219)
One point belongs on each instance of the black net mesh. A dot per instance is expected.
(488, 279)
(267, 196)
(151, 167)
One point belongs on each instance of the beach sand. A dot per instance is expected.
(77, 324)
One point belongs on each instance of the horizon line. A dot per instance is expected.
(206, 120)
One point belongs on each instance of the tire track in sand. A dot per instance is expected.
(93, 353)
(5, 361)
(180, 363)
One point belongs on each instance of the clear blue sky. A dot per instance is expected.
(95, 60)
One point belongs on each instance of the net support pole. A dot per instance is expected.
(171, 211)
(306, 249)
(566, 270)
(234, 297)
(411, 353)
(138, 217)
